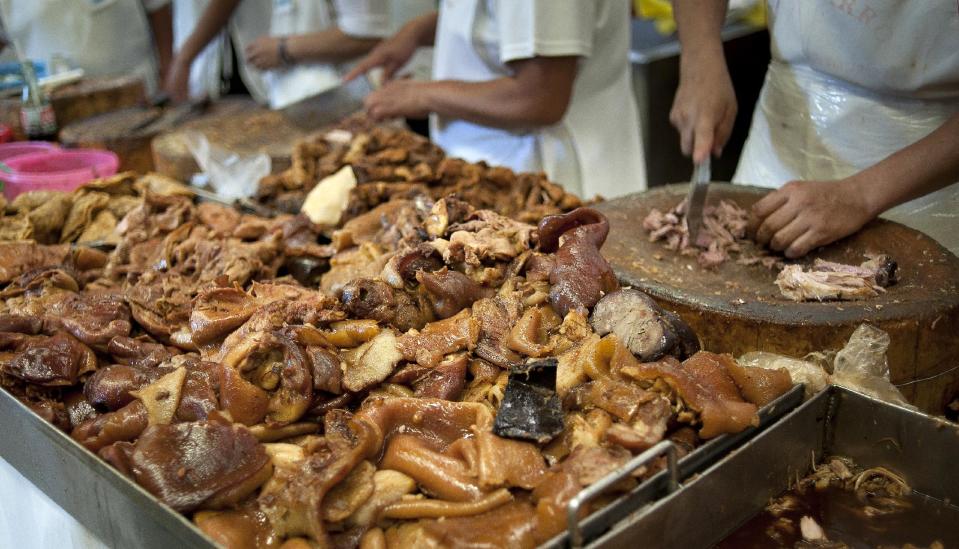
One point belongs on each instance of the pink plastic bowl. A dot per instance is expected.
(20, 148)
(62, 170)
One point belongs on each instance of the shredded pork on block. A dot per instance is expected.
(721, 236)
(826, 280)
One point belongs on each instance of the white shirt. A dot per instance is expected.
(850, 83)
(595, 149)
(282, 86)
(103, 37)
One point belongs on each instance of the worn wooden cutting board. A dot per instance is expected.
(88, 97)
(126, 132)
(737, 308)
(239, 125)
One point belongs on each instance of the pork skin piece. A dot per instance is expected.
(705, 386)
(451, 291)
(55, 361)
(217, 312)
(376, 300)
(92, 317)
(446, 381)
(21, 257)
(109, 388)
(758, 385)
(21, 324)
(648, 331)
(139, 352)
(100, 431)
(581, 275)
(440, 338)
(403, 268)
(496, 316)
(187, 464)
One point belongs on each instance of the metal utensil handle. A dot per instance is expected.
(597, 488)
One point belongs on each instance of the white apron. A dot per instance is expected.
(103, 37)
(850, 83)
(595, 149)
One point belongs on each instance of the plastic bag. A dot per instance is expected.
(232, 176)
(861, 365)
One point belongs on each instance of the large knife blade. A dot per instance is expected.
(329, 106)
(696, 198)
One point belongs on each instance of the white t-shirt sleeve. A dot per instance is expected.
(549, 28)
(363, 18)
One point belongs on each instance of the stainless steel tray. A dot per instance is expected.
(836, 422)
(122, 514)
(664, 482)
(109, 505)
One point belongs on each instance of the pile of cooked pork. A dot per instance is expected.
(429, 373)
(393, 163)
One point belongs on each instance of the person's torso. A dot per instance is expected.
(103, 37)
(594, 149)
(904, 48)
(852, 82)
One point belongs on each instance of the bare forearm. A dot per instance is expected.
(496, 103)
(699, 24)
(329, 46)
(161, 26)
(423, 28)
(213, 20)
(921, 168)
(537, 94)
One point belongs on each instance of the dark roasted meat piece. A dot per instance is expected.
(451, 291)
(649, 331)
(51, 361)
(581, 275)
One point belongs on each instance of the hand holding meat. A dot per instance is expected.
(399, 98)
(264, 53)
(804, 215)
(391, 54)
(177, 82)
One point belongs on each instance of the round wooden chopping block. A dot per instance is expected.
(127, 132)
(89, 97)
(738, 308)
(239, 125)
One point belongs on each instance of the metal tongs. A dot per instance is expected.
(696, 198)
(244, 204)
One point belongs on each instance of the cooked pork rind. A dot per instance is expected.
(82, 213)
(16, 227)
